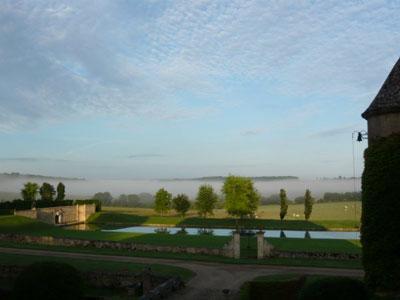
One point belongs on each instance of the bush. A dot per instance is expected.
(333, 288)
(48, 280)
(275, 290)
(380, 215)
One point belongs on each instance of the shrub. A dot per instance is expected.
(380, 214)
(48, 280)
(275, 290)
(333, 288)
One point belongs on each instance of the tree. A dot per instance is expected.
(105, 198)
(284, 204)
(181, 204)
(206, 200)
(30, 191)
(47, 192)
(60, 192)
(241, 198)
(308, 204)
(162, 201)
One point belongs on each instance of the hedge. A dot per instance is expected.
(6, 207)
(380, 229)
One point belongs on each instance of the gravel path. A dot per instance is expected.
(211, 278)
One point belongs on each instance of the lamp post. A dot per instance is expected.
(361, 135)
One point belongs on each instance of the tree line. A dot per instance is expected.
(46, 191)
(327, 197)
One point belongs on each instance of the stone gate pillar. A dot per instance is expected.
(260, 244)
(236, 244)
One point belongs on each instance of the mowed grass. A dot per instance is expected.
(349, 210)
(97, 265)
(325, 216)
(22, 225)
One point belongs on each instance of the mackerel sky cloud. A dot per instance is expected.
(204, 84)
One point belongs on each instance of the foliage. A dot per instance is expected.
(49, 280)
(181, 204)
(332, 288)
(299, 200)
(47, 192)
(284, 204)
(162, 203)
(380, 214)
(60, 191)
(30, 191)
(272, 199)
(206, 200)
(308, 204)
(105, 198)
(241, 198)
(339, 197)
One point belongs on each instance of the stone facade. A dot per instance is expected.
(383, 125)
(60, 215)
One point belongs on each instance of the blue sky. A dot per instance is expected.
(155, 89)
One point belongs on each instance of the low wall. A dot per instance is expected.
(134, 283)
(66, 242)
(316, 255)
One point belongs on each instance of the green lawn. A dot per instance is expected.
(91, 265)
(21, 225)
(125, 219)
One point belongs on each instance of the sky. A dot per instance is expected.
(167, 89)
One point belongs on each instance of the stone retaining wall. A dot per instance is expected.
(316, 255)
(67, 242)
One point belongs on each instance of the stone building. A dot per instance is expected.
(60, 215)
(383, 115)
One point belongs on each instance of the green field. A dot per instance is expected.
(325, 216)
(21, 225)
(93, 265)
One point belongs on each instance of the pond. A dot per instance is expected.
(338, 235)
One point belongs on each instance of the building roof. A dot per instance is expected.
(388, 99)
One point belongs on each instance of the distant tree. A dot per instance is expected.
(241, 198)
(206, 200)
(60, 192)
(30, 191)
(105, 198)
(308, 204)
(47, 192)
(299, 200)
(162, 203)
(181, 204)
(284, 204)
(272, 199)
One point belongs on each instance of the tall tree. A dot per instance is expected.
(162, 201)
(284, 204)
(206, 200)
(30, 191)
(181, 204)
(105, 198)
(241, 198)
(47, 192)
(308, 204)
(60, 192)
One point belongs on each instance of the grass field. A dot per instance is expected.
(21, 225)
(321, 211)
(92, 265)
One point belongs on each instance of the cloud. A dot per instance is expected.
(145, 155)
(251, 132)
(31, 159)
(60, 60)
(334, 132)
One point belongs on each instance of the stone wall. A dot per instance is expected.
(53, 241)
(383, 126)
(70, 214)
(316, 255)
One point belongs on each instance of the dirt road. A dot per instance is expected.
(211, 278)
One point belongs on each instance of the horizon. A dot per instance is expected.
(178, 89)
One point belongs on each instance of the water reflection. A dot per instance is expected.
(342, 235)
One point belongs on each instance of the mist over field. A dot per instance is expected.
(87, 188)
